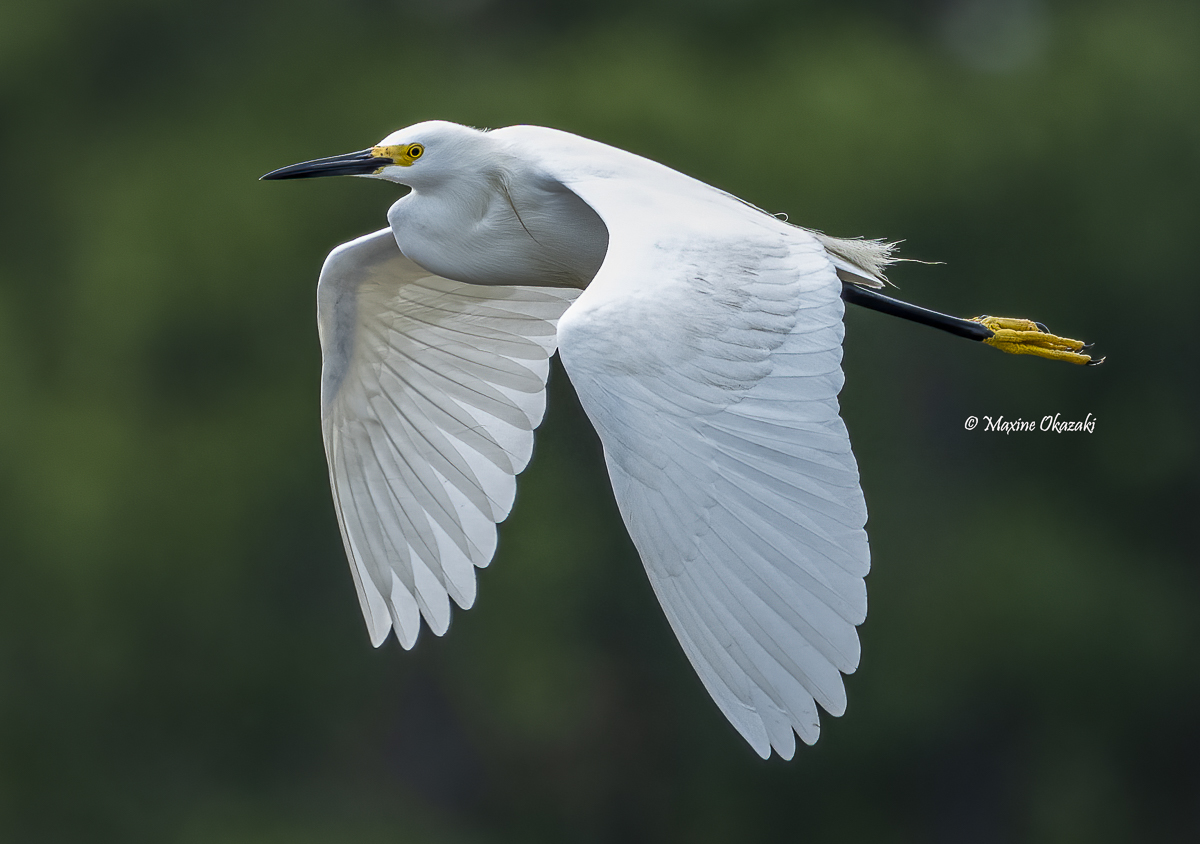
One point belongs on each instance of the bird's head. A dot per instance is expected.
(419, 156)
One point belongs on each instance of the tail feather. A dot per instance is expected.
(859, 260)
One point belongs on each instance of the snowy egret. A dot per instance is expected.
(703, 337)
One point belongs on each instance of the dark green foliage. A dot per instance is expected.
(181, 653)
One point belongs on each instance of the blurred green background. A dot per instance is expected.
(182, 657)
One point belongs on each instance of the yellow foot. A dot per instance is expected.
(1024, 337)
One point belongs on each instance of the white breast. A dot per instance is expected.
(519, 231)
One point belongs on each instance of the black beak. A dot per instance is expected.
(360, 163)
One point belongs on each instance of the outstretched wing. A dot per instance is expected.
(430, 392)
(707, 352)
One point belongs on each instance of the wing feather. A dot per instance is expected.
(430, 394)
(707, 353)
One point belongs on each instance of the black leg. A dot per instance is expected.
(1015, 336)
(858, 295)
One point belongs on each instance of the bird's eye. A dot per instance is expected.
(415, 151)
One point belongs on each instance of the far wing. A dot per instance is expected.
(707, 352)
(430, 392)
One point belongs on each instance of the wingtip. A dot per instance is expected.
(789, 752)
(408, 642)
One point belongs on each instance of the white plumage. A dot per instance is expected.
(705, 347)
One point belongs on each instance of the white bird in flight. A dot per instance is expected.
(703, 337)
